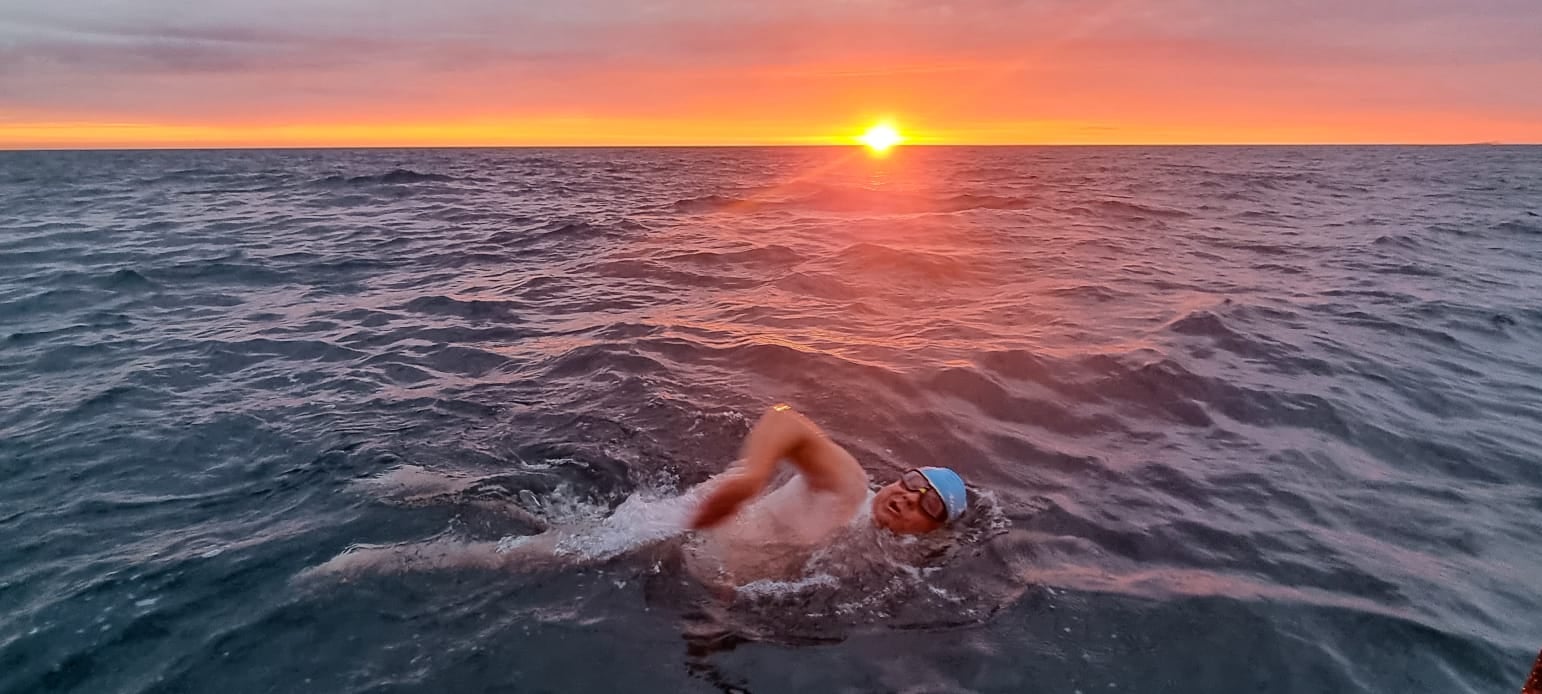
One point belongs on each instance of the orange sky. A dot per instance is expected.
(97, 73)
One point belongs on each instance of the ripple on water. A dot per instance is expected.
(1237, 419)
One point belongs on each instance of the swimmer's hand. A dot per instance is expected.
(725, 499)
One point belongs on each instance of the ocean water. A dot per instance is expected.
(1241, 419)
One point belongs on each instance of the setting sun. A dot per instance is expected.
(881, 137)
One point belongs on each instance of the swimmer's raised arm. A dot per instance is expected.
(781, 434)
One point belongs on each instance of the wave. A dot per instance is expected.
(852, 200)
(1392, 326)
(471, 362)
(868, 201)
(878, 259)
(1399, 241)
(217, 272)
(1160, 386)
(50, 301)
(1090, 292)
(1517, 226)
(825, 285)
(126, 280)
(993, 399)
(392, 177)
(564, 231)
(1125, 208)
(1281, 268)
(766, 257)
(658, 272)
(474, 309)
(188, 174)
(713, 203)
(1276, 356)
(592, 359)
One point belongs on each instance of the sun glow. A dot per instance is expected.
(881, 137)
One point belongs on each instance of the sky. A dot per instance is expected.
(172, 73)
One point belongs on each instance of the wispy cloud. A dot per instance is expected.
(994, 63)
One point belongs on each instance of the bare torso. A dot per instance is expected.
(773, 536)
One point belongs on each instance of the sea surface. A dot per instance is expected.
(1236, 419)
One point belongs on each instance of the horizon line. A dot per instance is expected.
(919, 145)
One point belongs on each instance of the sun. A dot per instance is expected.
(881, 137)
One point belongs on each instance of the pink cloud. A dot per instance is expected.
(990, 62)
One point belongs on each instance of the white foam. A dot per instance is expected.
(641, 520)
(770, 588)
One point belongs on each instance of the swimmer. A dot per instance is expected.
(732, 530)
(830, 492)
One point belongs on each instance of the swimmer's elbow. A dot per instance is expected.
(783, 433)
(798, 428)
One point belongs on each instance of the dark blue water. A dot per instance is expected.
(1254, 419)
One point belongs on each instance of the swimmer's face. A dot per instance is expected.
(899, 509)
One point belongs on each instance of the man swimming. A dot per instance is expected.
(748, 538)
(731, 532)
